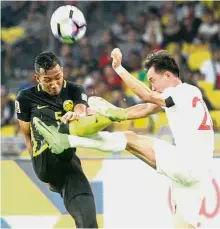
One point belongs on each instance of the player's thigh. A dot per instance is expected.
(82, 209)
(157, 153)
(186, 203)
(141, 146)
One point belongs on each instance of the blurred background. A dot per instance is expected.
(189, 30)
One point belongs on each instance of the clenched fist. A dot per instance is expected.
(117, 57)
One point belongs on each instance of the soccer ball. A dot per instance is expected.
(68, 24)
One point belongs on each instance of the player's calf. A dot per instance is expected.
(85, 126)
(82, 209)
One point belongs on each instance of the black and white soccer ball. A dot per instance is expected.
(68, 24)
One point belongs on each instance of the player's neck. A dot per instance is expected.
(176, 82)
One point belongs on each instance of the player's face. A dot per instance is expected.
(52, 80)
(159, 81)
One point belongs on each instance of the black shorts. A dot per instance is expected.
(65, 175)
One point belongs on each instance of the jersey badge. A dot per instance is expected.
(68, 105)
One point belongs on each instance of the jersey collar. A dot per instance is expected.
(64, 83)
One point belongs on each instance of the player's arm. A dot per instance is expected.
(142, 110)
(25, 129)
(139, 88)
(134, 112)
(22, 109)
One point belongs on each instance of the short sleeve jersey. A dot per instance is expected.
(189, 118)
(34, 102)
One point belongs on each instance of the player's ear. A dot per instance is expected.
(37, 78)
(167, 75)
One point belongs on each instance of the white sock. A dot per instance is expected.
(104, 141)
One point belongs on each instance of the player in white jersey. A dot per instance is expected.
(188, 162)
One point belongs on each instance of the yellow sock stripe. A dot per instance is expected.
(35, 151)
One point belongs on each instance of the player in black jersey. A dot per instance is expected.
(54, 100)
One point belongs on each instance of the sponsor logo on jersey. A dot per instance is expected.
(68, 105)
(17, 107)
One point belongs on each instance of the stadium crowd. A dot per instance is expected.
(189, 30)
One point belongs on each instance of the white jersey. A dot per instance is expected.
(190, 121)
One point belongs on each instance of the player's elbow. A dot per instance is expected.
(147, 97)
(142, 94)
(155, 98)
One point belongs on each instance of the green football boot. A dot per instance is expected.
(107, 109)
(57, 142)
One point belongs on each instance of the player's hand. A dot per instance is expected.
(69, 116)
(116, 55)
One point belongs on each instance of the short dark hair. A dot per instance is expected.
(162, 61)
(45, 61)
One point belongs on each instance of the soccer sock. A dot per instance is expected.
(104, 141)
(89, 125)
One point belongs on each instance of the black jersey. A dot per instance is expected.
(34, 102)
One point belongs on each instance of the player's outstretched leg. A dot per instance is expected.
(140, 146)
(58, 142)
(85, 126)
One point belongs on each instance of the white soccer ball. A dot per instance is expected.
(68, 24)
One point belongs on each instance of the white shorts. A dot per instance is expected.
(189, 182)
